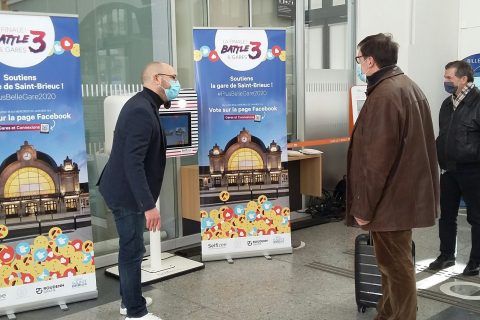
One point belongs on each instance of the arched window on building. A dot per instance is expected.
(245, 159)
(28, 181)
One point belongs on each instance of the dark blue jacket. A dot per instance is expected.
(458, 141)
(133, 175)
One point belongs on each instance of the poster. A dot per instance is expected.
(46, 248)
(243, 176)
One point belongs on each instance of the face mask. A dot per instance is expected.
(450, 87)
(362, 76)
(173, 91)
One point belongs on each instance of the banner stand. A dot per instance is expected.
(47, 253)
(243, 161)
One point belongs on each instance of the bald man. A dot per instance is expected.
(130, 182)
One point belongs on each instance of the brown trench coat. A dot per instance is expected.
(392, 172)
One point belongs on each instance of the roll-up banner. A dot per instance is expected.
(243, 176)
(46, 248)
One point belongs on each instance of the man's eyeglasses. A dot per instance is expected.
(357, 59)
(174, 77)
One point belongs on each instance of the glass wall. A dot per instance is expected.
(188, 14)
(328, 71)
(326, 34)
(266, 14)
(227, 13)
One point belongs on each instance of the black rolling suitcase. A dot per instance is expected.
(368, 280)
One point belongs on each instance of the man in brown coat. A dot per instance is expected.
(392, 172)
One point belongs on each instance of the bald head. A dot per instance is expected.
(156, 76)
(154, 68)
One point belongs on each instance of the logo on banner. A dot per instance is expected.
(25, 42)
(48, 289)
(3, 296)
(79, 283)
(252, 243)
(241, 50)
(218, 245)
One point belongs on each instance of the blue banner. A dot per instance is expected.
(47, 250)
(241, 87)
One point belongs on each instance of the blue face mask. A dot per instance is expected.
(362, 76)
(173, 91)
(450, 87)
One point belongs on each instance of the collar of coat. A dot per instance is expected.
(380, 75)
(154, 98)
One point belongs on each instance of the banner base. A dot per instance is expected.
(246, 254)
(172, 266)
(32, 305)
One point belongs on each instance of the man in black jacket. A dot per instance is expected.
(458, 150)
(132, 178)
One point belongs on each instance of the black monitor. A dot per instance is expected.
(177, 127)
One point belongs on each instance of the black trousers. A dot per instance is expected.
(454, 185)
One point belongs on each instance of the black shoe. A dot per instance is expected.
(442, 262)
(472, 268)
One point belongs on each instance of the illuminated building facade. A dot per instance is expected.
(244, 161)
(31, 182)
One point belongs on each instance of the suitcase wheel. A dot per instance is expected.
(362, 309)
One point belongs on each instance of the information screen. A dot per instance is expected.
(176, 126)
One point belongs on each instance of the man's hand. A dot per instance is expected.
(152, 219)
(361, 222)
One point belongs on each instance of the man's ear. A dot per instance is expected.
(373, 63)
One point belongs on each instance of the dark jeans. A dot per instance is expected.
(399, 293)
(454, 185)
(130, 226)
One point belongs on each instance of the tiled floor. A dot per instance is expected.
(286, 287)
